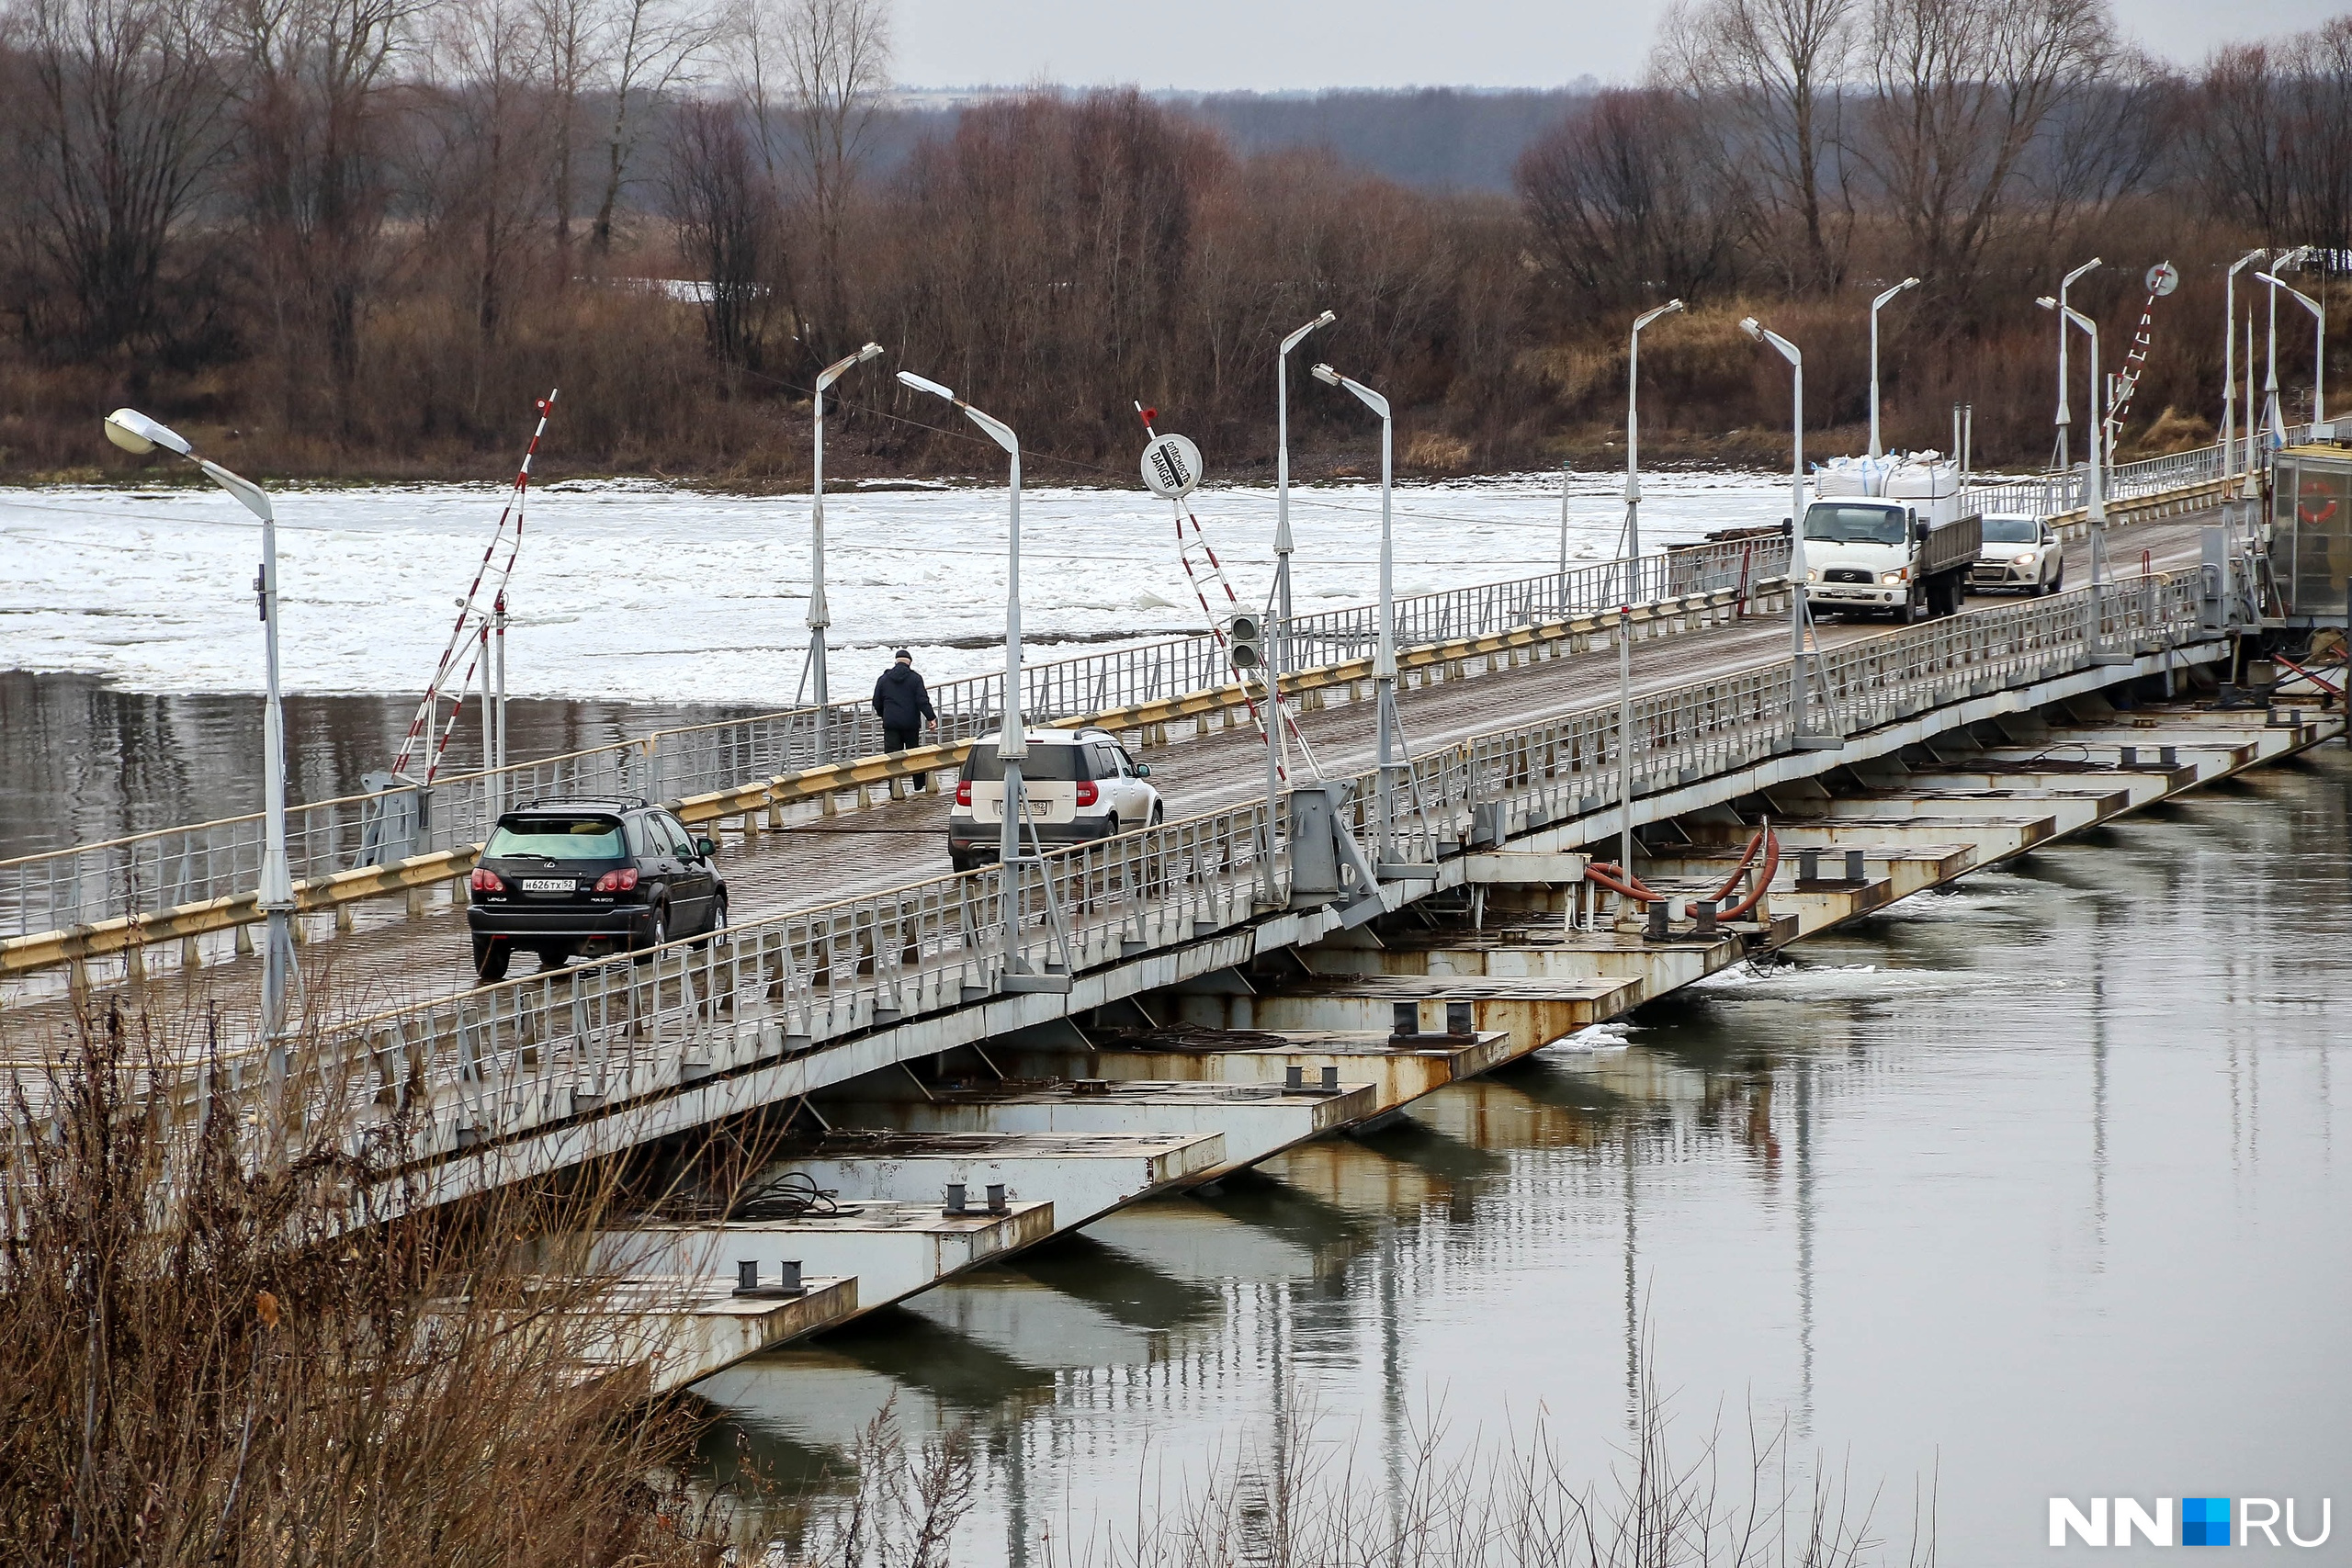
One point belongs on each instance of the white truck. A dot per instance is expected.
(1887, 538)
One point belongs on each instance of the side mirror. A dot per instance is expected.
(1143, 770)
(1919, 528)
(705, 848)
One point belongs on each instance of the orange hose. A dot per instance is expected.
(1612, 876)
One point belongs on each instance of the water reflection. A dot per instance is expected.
(1996, 1192)
(87, 761)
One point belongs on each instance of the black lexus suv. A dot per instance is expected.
(589, 875)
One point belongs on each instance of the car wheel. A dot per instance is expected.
(490, 957)
(959, 861)
(718, 919)
(1111, 826)
(554, 955)
(1159, 814)
(657, 932)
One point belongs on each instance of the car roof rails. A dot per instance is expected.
(560, 802)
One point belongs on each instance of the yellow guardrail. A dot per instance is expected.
(47, 950)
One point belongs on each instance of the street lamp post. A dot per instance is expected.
(2066, 457)
(2319, 358)
(1876, 306)
(2098, 509)
(1281, 638)
(1632, 442)
(821, 615)
(2229, 358)
(1012, 744)
(1799, 612)
(135, 432)
(1384, 662)
(2271, 351)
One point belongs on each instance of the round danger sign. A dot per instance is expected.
(2162, 277)
(1171, 466)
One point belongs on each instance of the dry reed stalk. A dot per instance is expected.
(207, 1357)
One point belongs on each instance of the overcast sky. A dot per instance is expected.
(1303, 45)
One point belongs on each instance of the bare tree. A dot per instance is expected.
(648, 46)
(119, 132)
(724, 216)
(487, 148)
(1622, 202)
(568, 39)
(816, 71)
(316, 76)
(1963, 92)
(1773, 73)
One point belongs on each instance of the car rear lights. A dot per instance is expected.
(963, 792)
(486, 881)
(1087, 794)
(622, 881)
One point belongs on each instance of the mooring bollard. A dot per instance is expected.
(1459, 1018)
(1331, 1079)
(1808, 865)
(955, 1198)
(1294, 1079)
(996, 1198)
(1702, 911)
(1855, 871)
(747, 1277)
(1406, 1020)
(1656, 931)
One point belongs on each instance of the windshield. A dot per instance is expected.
(556, 838)
(1044, 764)
(2012, 531)
(1842, 525)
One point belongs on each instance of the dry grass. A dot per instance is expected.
(204, 1361)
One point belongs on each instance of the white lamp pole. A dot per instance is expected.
(134, 432)
(2066, 457)
(1633, 440)
(821, 615)
(1012, 744)
(1798, 610)
(1876, 306)
(1384, 663)
(1281, 638)
(2319, 358)
(2229, 358)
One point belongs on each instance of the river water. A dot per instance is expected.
(2027, 1190)
(2024, 1190)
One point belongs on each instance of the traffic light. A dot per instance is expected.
(1245, 640)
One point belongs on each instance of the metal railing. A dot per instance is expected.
(2047, 495)
(169, 868)
(441, 1076)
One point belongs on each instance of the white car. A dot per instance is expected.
(2020, 554)
(1080, 784)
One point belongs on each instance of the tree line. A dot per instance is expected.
(358, 236)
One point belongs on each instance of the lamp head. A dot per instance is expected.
(1908, 283)
(1325, 319)
(2046, 301)
(924, 384)
(135, 432)
(871, 351)
(1752, 327)
(1326, 374)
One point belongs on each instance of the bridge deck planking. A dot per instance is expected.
(389, 959)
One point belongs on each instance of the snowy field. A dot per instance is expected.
(637, 591)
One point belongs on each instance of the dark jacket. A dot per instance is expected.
(901, 698)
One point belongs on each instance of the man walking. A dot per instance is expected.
(904, 705)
